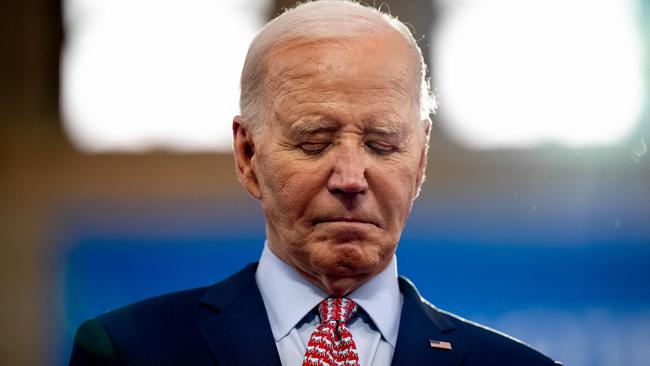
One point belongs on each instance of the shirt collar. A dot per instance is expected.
(381, 299)
(288, 296)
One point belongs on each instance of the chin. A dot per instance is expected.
(348, 259)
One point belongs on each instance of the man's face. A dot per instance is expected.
(340, 158)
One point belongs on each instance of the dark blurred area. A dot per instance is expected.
(31, 37)
(571, 225)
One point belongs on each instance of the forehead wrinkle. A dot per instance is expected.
(400, 84)
(302, 95)
(376, 117)
(307, 89)
(281, 69)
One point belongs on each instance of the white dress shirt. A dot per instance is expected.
(291, 301)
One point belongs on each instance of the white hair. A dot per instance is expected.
(317, 20)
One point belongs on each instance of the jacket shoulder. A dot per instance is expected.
(176, 304)
(480, 345)
(161, 330)
(190, 305)
(485, 343)
(92, 346)
(144, 333)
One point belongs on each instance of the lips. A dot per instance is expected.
(345, 219)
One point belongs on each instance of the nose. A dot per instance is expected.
(349, 172)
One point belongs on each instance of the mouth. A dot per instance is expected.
(345, 220)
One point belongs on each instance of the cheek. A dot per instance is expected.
(395, 190)
(288, 184)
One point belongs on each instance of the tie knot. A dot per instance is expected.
(338, 309)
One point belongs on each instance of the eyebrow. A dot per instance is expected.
(306, 128)
(383, 130)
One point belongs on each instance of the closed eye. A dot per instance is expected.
(313, 148)
(380, 148)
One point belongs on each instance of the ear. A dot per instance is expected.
(244, 150)
(422, 166)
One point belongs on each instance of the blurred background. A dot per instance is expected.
(117, 181)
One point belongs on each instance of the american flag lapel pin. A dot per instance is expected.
(440, 344)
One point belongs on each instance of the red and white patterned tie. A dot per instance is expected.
(331, 343)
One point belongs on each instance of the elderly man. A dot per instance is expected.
(332, 140)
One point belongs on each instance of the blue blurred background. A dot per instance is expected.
(547, 241)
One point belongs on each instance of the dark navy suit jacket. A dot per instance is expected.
(226, 324)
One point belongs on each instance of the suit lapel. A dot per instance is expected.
(238, 330)
(420, 322)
